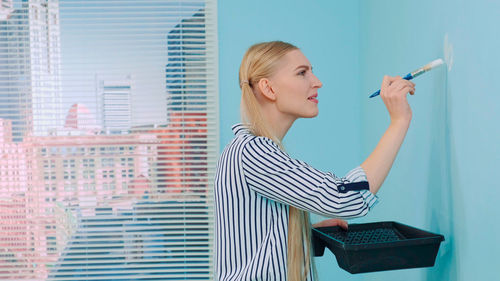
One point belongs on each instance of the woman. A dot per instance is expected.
(262, 195)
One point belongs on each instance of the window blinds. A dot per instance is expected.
(108, 139)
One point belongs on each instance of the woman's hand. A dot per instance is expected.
(393, 92)
(331, 222)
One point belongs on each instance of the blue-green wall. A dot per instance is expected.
(444, 177)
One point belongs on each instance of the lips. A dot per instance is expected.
(313, 98)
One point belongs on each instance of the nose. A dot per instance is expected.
(316, 82)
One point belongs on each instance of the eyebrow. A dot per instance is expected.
(304, 66)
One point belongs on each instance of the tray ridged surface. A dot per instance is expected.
(378, 235)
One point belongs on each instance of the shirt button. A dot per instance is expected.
(342, 188)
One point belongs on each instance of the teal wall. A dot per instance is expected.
(443, 179)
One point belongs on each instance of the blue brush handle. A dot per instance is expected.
(407, 77)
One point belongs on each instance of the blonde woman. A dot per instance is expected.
(263, 196)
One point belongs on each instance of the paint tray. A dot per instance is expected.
(379, 246)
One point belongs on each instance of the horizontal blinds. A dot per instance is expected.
(108, 139)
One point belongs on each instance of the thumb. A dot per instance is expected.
(387, 81)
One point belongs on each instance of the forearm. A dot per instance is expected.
(380, 161)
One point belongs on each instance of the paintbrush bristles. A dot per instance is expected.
(434, 63)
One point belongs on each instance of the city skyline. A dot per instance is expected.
(112, 147)
(116, 49)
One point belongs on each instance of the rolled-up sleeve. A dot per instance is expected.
(272, 173)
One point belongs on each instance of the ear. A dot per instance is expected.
(266, 89)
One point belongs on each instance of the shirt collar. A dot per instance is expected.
(240, 129)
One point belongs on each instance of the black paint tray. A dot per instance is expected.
(379, 246)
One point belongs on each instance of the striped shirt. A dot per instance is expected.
(255, 183)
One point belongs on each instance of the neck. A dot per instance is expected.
(279, 123)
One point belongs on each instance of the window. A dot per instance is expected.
(109, 136)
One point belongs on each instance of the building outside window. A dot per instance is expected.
(108, 139)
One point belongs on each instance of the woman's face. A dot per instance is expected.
(295, 86)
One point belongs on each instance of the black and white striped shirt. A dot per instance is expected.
(255, 183)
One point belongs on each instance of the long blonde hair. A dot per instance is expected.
(260, 61)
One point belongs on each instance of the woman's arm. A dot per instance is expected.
(275, 175)
(393, 92)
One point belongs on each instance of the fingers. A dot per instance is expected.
(332, 222)
(400, 84)
(343, 224)
(396, 85)
(394, 94)
(403, 90)
(388, 80)
(408, 89)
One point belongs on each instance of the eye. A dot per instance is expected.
(302, 73)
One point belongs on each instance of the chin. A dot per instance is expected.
(311, 114)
